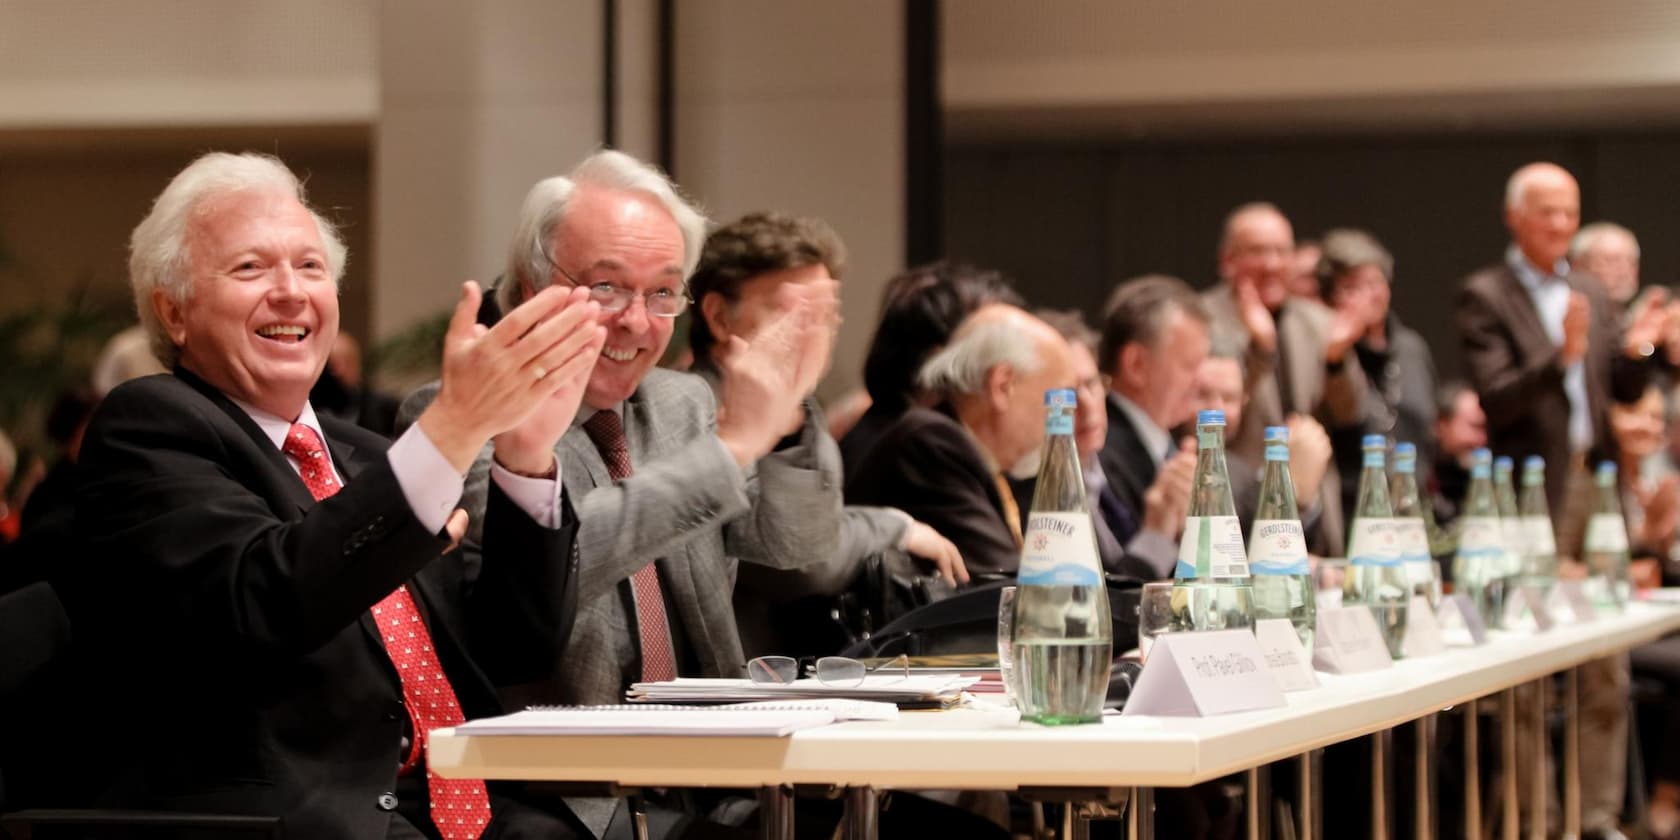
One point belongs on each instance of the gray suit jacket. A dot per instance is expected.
(864, 531)
(688, 506)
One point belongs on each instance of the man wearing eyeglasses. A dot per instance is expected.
(673, 486)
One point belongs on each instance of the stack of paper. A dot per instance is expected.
(918, 691)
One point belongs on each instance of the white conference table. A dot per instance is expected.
(990, 750)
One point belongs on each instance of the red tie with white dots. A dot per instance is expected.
(460, 807)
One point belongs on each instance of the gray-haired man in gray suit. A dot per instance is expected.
(673, 486)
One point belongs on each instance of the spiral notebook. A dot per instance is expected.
(775, 719)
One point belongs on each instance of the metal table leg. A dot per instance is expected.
(862, 813)
(775, 812)
(1380, 743)
(1572, 753)
(1308, 825)
(1472, 772)
(1141, 820)
(638, 817)
(1258, 804)
(1540, 788)
(1511, 805)
(1423, 800)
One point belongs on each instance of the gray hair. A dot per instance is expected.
(160, 249)
(1517, 185)
(1137, 311)
(1345, 249)
(979, 345)
(529, 260)
(1587, 238)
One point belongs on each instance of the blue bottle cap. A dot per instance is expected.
(1606, 469)
(1534, 462)
(1405, 449)
(1503, 462)
(1373, 442)
(1277, 434)
(1481, 453)
(1060, 398)
(1210, 417)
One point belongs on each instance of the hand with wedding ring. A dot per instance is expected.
(519, 381)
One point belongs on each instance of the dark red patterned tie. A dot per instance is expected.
(658, 660)
(460, 807)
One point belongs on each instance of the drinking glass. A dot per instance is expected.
(1155, 615)
(1006, 651)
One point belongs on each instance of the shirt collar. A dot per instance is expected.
(1530, 275)
(1155, 439)
(276, 428)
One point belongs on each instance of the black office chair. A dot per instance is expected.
(35, 635)
(966, 622)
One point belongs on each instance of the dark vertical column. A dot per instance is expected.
(924, 151)
(609, 73)
(666, 27)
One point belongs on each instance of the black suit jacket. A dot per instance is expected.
(231, 611)
(928, 466)
(1126, 462)
(1514, 367)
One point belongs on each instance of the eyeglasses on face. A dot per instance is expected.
(660, 303)
(838, 671)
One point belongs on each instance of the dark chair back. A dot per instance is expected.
(967, 622)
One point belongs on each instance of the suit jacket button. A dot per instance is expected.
(387, 801)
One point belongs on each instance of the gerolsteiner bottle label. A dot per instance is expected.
(1059, 549)
(1278, 548)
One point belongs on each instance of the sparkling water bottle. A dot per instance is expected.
(1062, 638)
(1606, 548)
(1479, 565)
(1511, 531)
(1211, 588)
(1277, 549)
(1375, 576)
(1540, 565)
(1413, 518)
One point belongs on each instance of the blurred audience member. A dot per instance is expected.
(949, 466)
(1219, 385)
(1356, 272)
(742, 267)
(919, 310)
(1460, 429)
(66, 423)
(126, 355)
(1154, 338)
(1609, 252)
(343, 392)
(1296, 351)
(1545, 348)
(1303, 276)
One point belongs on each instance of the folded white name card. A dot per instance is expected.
(1526, 609)
(1461, 624)
(1348, 641)
(1423, 632)
(1569, 603)
(1202, 674)
(1285, 656)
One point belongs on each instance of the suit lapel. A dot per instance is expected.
(281, 468)
(1524, 318)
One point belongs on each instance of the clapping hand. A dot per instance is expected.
(494, 379)
(1252, 311)
(1576, 320)
(765, 378)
